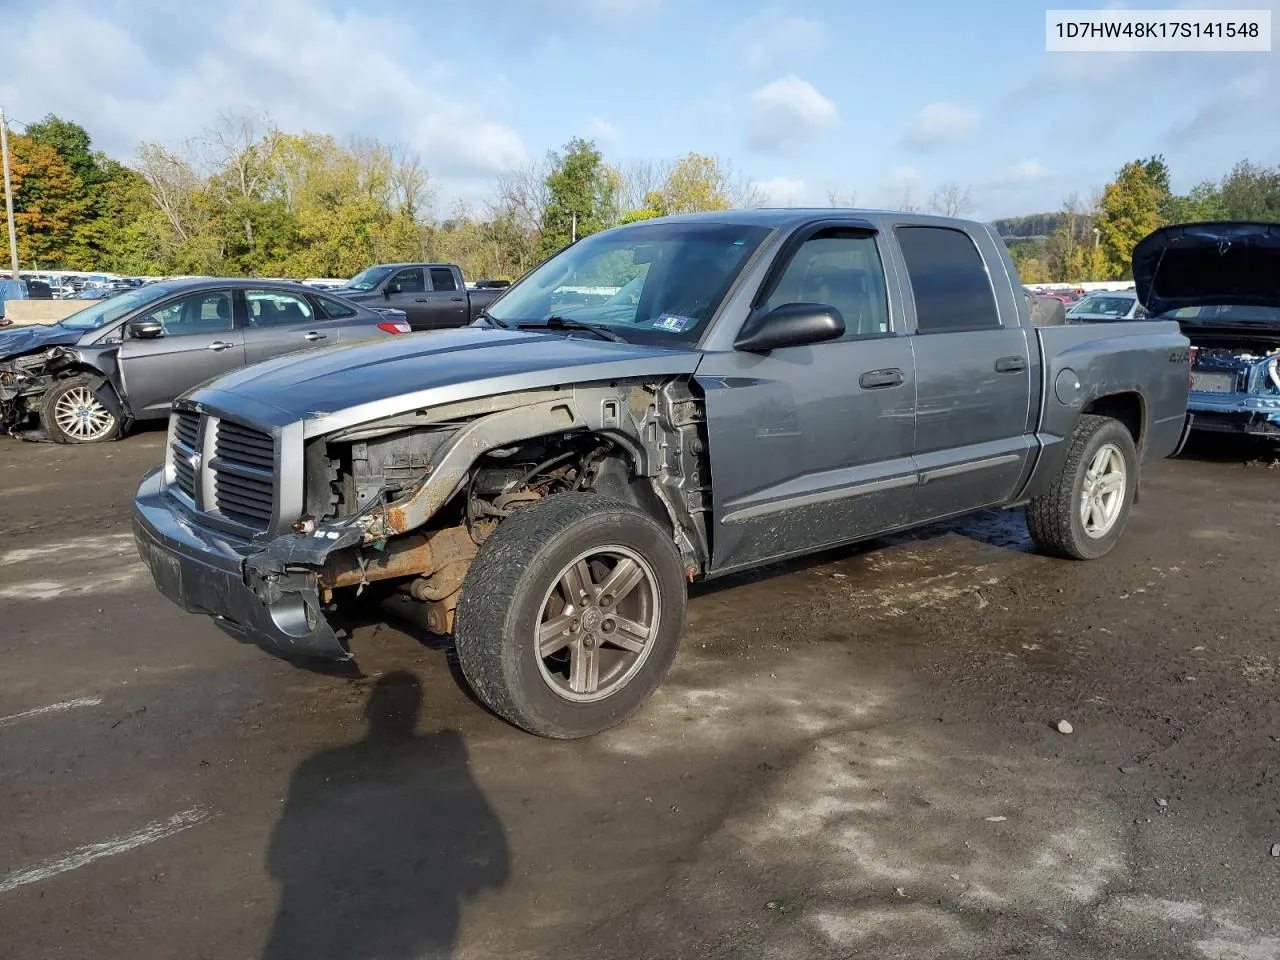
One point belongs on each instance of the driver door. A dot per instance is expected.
(406, 290)
(811, 446)
(199, 340)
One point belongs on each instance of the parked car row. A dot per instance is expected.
(126, 357)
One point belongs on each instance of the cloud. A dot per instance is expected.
(604, 133)
(602, 11)
(771, 37)
(786, 114)
(1020, 174)
(119, 75)
(940, 125)
(901, 187)
(783, 192)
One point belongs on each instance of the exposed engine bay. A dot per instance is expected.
(407, 504)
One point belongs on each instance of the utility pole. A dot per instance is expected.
(8, 197)
(573, 226)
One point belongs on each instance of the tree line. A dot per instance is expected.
(246, 198)
(1094, 240)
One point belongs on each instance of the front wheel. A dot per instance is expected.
(1083, 514)
(70, 413)
(571, 614)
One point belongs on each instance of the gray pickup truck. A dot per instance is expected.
(431, 295)
(665, 402)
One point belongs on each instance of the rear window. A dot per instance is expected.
(442, 279)
(335, 309)
(948, 280)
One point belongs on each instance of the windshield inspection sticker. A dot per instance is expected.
(671, 323)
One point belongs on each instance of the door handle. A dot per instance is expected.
(878, 379)
(219, 345)
(421, 299)
(314, 336)
(1011, 365)
(455, 299)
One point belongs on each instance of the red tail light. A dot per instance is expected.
(395, 326)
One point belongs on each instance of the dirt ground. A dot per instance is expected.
(853, 756)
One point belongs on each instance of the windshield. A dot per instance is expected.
(654, 282)
(1229, 313)
(367, 279)
(1104, 306)
(104, 311)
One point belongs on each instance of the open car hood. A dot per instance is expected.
(15, 341)
(1208, 264)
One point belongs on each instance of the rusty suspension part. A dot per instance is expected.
(413, 555)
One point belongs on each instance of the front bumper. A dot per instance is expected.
(1233, 413)
(203, 571)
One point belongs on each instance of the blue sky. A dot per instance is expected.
(884, 101)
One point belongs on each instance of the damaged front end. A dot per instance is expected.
(23, 381)
(401, 504)
(1235, 386)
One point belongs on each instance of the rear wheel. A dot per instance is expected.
(70, 413)
(1083, 514)
(571, 614)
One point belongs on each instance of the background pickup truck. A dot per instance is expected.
(757, 385)
(431, 295)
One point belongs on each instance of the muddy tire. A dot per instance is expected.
(70, 413)
(1083, 514)
(571, 614)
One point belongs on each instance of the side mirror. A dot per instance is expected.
(790, 325)
(146, 329)
(391, 288)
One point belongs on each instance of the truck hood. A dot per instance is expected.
(15, 341)
(1208, 264)
(336, 387)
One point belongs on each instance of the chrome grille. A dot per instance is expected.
(243, 473)
(186, 446)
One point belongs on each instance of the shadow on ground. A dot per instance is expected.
(383, 841)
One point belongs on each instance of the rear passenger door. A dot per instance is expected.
(974, 422)
(445, 302)
(281, 321)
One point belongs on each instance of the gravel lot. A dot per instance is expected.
(853, 756)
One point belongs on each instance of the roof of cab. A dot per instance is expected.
(784, 217)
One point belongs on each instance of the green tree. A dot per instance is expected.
(72, 143)
(581, 189)
(1250, 192)
(1203, 202)
(1130, 209)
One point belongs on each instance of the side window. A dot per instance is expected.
(442, 279)
(410, 280)
(842, 269)
(270, 308)
(334, 309)
(948, 280)
(208, 312)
